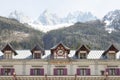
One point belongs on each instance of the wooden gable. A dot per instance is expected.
(111, 48)
(8, 47)
(60, 46)
(59, 51)
(82, 48)
(38, 49)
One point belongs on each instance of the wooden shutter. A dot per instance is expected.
(87, 71)
(65, 71)
(117, 71)
(78, 71)
(55, 71)
(31, 71)
(107, 70)
(42, 71)
(12, 71)
(2, 71)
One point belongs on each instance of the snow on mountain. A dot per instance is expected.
(49, 21)
(112, 20)
(79, 16)
(20, 17)
(47, 18)
(49, 27)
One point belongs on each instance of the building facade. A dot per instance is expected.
(60, 60)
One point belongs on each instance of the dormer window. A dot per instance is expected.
(83, 55)
(37, 52)
(110, 53)
(82, 52)
(111, 56)
(37, 55)
(59, 51)
(8, 51)
(8, 55)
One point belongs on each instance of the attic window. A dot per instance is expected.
(111, 56)
(8, 55)
(83, 55)
(36, 55)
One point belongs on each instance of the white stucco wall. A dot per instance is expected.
(18, 69)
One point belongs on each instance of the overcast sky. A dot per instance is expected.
(33, 8)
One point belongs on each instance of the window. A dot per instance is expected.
(83, 71)
(8, 55)
(113, 71)
(7, 71)
(60, 71)
(37, 71)
(36, 55)
(111, 55)
(82, 55)
(102, 72)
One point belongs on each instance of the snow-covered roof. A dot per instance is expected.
(22, 54)
(26, 54)
(118, 55)
(95, 54)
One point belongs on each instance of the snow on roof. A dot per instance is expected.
(118, 55)
(22, 54)
(72, 53)
(47, 53)
(95, 54)
(1, 54)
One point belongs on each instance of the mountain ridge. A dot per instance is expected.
(21, 36)
(47, 19)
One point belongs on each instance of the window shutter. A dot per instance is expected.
(117, 71)
(107, 70)
(12, 71)
(78, 71)
(55, 71)
(42, 71)
(87, 71)
(2, 71)
(31, 71)
(65, 71)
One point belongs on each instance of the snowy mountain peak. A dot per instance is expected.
(20, 17)
(79, 16)
(112, 20)
(48, 21)
(47, 18)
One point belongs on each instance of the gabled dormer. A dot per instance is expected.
(60, 51)
(8, 52)
(110, 53)
(37, 52)
(82, 52)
